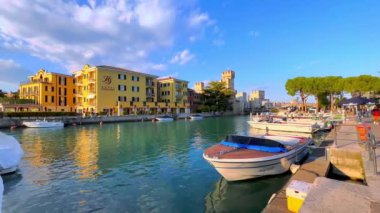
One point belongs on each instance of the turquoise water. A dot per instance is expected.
(130, 167)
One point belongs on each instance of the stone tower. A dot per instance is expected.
(199, 87)
(228, 77)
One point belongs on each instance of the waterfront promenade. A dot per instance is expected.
(79, 120)
(346, 156)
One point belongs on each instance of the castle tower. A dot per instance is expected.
(199, 87)
(228, 77)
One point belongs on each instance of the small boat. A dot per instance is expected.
(277, 125)
(10, 154)
(196, 117)
(164, 118)
(43, 124)
(243, 157)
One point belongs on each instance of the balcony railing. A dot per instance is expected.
(150, 94)
(91, 80)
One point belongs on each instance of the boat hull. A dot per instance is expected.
(285, 127)
(233, 170)
(196, 118)
(164, 119)
(42, 124)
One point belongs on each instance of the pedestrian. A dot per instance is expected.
(376, 114)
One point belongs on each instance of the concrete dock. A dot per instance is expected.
(346, 157)
(315, 166)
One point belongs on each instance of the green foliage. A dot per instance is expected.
(331, 86)
(6, 100)
(217, 96)
(38, 114)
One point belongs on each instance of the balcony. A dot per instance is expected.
(150, 94)
(79, 82)
(91, 81)
(149, 84)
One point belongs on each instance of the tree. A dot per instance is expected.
(333, 87)
(217, 96)
(299, 86)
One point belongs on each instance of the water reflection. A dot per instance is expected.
(86, 152)
(243, 196)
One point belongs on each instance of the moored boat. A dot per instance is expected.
(10, 154)
(285, 126)
(164, 118)
(242, 157)
(43, 124)
(196, 117)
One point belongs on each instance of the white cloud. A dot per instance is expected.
(200, 19)
(182, 57)
(114, 32)
(159, 67)
(11, 74)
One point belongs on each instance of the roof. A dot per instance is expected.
(118, 69)
(170, 78)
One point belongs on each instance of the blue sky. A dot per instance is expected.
(265, 42)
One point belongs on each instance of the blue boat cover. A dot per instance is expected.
(254, 147)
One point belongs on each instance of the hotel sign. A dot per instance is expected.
(106, 83)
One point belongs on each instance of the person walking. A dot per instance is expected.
(376, 115)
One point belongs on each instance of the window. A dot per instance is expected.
(64, 81)
(74, 91)
(46, 98)
(135, 99)
(74, 100)
(122, 87)
(138, 89)
(59, 80)
(122, 98)
(59, 91)
(64, 101)
(46, 88)
(121, 77)
(138, 78)
(64, 91)
(52, 99)
(52, 89)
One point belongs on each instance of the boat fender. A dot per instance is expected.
(271, 198)
(294, 168)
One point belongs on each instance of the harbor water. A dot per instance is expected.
(131, 167)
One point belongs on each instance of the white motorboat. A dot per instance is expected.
(285, 126)
(10, 154)
(164, 118)
(242, 157)
(196, 117)
(43, 124)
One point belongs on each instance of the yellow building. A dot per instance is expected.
(112, 90)
(174, 91)
(52, 91)
(228, 77)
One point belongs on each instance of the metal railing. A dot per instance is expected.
(371, 146)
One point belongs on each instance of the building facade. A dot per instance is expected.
(256, 95)
(228, 77)
(112, 90)
(199, 87)
(52, 91)
(174, 93)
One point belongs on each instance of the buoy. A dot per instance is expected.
(101, 123)
(294, 168)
